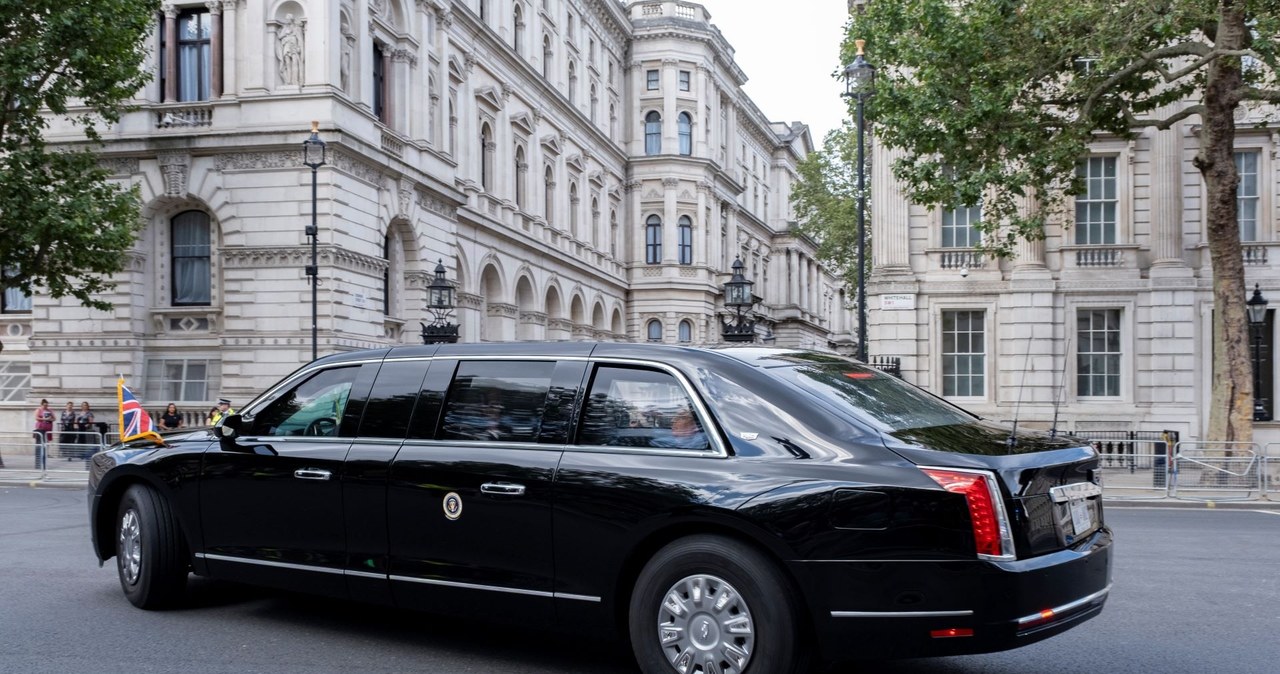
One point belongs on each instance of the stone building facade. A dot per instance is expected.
(584, 169)
(1103, 325)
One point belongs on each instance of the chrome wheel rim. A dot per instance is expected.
(130, 547)
(705, 627)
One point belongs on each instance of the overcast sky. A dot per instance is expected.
(788, 51)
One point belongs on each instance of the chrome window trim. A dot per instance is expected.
(1039, 617)
(902, 614)
(266, 562)
(266, 397)
(718, 449)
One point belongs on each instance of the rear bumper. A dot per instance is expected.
(889, 609)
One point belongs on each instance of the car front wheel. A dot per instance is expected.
(711, 604)
(149, 557)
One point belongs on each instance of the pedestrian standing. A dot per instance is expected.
(87, 429)
(67, 429)
(222, 410)
(43, 432)
(170, 420)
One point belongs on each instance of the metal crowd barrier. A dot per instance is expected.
(1218, 471)
(56, 453)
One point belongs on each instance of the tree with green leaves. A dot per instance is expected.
(64, 227)
(995, 100)
(825, 196)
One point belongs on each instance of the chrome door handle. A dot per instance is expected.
(502, 489)
(312, 474)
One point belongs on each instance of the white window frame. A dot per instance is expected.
(156, 385)
(990, 344)
(959, 209)
(1122, 151)
(1128, 347)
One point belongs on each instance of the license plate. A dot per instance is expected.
(1081, 516)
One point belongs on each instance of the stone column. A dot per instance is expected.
(670, 232)
(889, 226)
(1030, 253)
(215, 48)
(633, 242)
(170, 54)
(701, 123)
(1166, 198)
(670, 137)
(226, 80)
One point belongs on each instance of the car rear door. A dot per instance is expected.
(470, 497)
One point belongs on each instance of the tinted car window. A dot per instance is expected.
(868, 392)
(312, 407)
(390, 405)
(634, 407)
(497, 401)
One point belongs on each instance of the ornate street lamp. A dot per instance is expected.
(860, 84)
(313, 155)
(440, 305)
(1257, 306)
(738, 297)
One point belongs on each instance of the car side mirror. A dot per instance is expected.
(230, 427)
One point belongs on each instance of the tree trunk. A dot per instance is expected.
(1231, 404)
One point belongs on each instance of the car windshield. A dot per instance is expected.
(868, 392)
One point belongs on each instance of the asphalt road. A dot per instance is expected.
(1196, 591)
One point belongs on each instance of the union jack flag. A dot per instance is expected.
(135, 423)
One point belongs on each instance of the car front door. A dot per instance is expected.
(470, 495)
(271, 505)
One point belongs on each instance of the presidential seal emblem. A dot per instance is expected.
(452, 505)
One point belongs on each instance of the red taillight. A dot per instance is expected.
(951, 632)
(990, 528)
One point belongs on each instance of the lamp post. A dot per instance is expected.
(859, 84)
(313, 155)
(440, 304)
(738, 297)
(1257, 306)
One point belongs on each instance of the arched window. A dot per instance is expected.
(190, 251)
(484, 10)
(520, 171)
(573, 84)
(546, 57)
(517, 37)
(486, 157)
(686, 332)
(653, 133)
(613, 233)
(613, 122)
(654, 330)
(685, 246)
(573, 211)
(685, 125)
(595, 101)
(548, 194)
(595, 222)
(453, 125)
(653, 240)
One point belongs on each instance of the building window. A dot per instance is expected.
(386, 275)
(684, 80)
(1098, 352)
(15, 380)
(486, 158)
(654, 330)
(651, 80)
(13, 300)
(484, 10)
(686, 332)
(379, 84)
(517, 36)
(548, 194)
(178, 379)
(194, 58)
(519, 173)
(1096, 207)
(1261, 348)
(964, 353)
(573, 211)
(573, 84)
(684, 123)
(546, 57)
(653, 133)
(685, 247)
(960, 227)
(1247, 197)
(190, 251)
(653, 240)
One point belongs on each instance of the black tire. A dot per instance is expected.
(149, 550)
(749, 608)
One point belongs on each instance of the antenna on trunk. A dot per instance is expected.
(1062, 384)
(1013, 434)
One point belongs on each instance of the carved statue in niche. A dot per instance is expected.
(344, 63)
(289, 51)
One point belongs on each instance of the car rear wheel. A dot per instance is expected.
(149, 557)
(713, 605)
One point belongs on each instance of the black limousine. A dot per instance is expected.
(735, 509)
